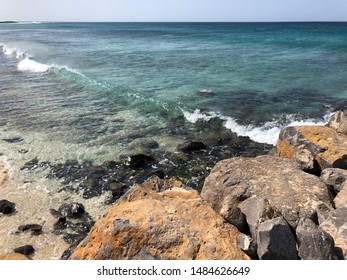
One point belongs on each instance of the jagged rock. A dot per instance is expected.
(276, 241)
(72, 210)
(338, 121)
(12, 257)
(313, 242)
(257, 210)
(294, 193)
(26, 250)
(315, 148)
(248, 245)
(34, 229)
(7, 207)
(336, 226)
(190, 147)
(173, 224)
(323, 212)
(341, 198)
(334, 178)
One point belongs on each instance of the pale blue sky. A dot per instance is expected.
(173, 10)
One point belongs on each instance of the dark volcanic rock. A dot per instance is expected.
(72, 210)
(13, 139)
(276, 240)
(189, 147)
(313, 242)
(139, 161)
(34, 229)
(7, 207)
(26, 250)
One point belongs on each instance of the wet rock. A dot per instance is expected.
(7, 207)
(161, 225)
(334, 178)
(294, 193)
(3, 123)
(190, 147)
(313, 242)
(30, 165)
(34, 229)
(336, 226)
(26, 250)
(158, 173)
(72, 210)
(315, 148)
(16, 139)
(206, 92)
(139, 161)
(338, 121)
(60, 225)
(276, 241)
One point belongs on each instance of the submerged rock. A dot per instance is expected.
(72, 210)
(7, 207)
(15, 139)
(190, 147)
(139, 161)
(26, 250)
(34, 229)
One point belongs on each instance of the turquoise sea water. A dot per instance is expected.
(95, 83)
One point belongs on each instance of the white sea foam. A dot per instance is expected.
(12, 51)
(267, 133)
(31, 65)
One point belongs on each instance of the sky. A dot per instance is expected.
(173, 10)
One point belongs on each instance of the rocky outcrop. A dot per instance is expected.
(314, 148)
(172, 224)
(284, 188)
(338, 122)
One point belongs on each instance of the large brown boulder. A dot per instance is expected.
(12, 257)
(313, 147)
(285, 187)
(338, 121)
(174, 225)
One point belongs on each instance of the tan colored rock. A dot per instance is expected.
(294, 193)
(13, 257)
(338, 122)
(3, 175)
(173, 225)
(341, 198)
(336, 226)
(313, 147)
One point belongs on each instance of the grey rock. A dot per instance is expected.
(338, 121)
(334, 178)
(323, 211)
(276, 240)
(294, 193)
(248, 245)
(313, 242)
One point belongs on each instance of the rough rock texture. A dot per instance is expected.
(341, 198)
(173, 224)
(313, 147)
(334, 178)
(336, 226)
(294, 193)
(248, 245)
(12, 257)
(313, 242)
(276, 240)
(338, 121)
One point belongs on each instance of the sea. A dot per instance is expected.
(90, 91)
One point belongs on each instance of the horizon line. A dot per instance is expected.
(82, 21)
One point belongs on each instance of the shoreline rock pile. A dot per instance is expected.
(289, 206)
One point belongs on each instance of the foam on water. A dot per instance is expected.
(267, 133)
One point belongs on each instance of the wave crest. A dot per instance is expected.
(267, 133)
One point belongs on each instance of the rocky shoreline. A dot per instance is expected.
(219, 198)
